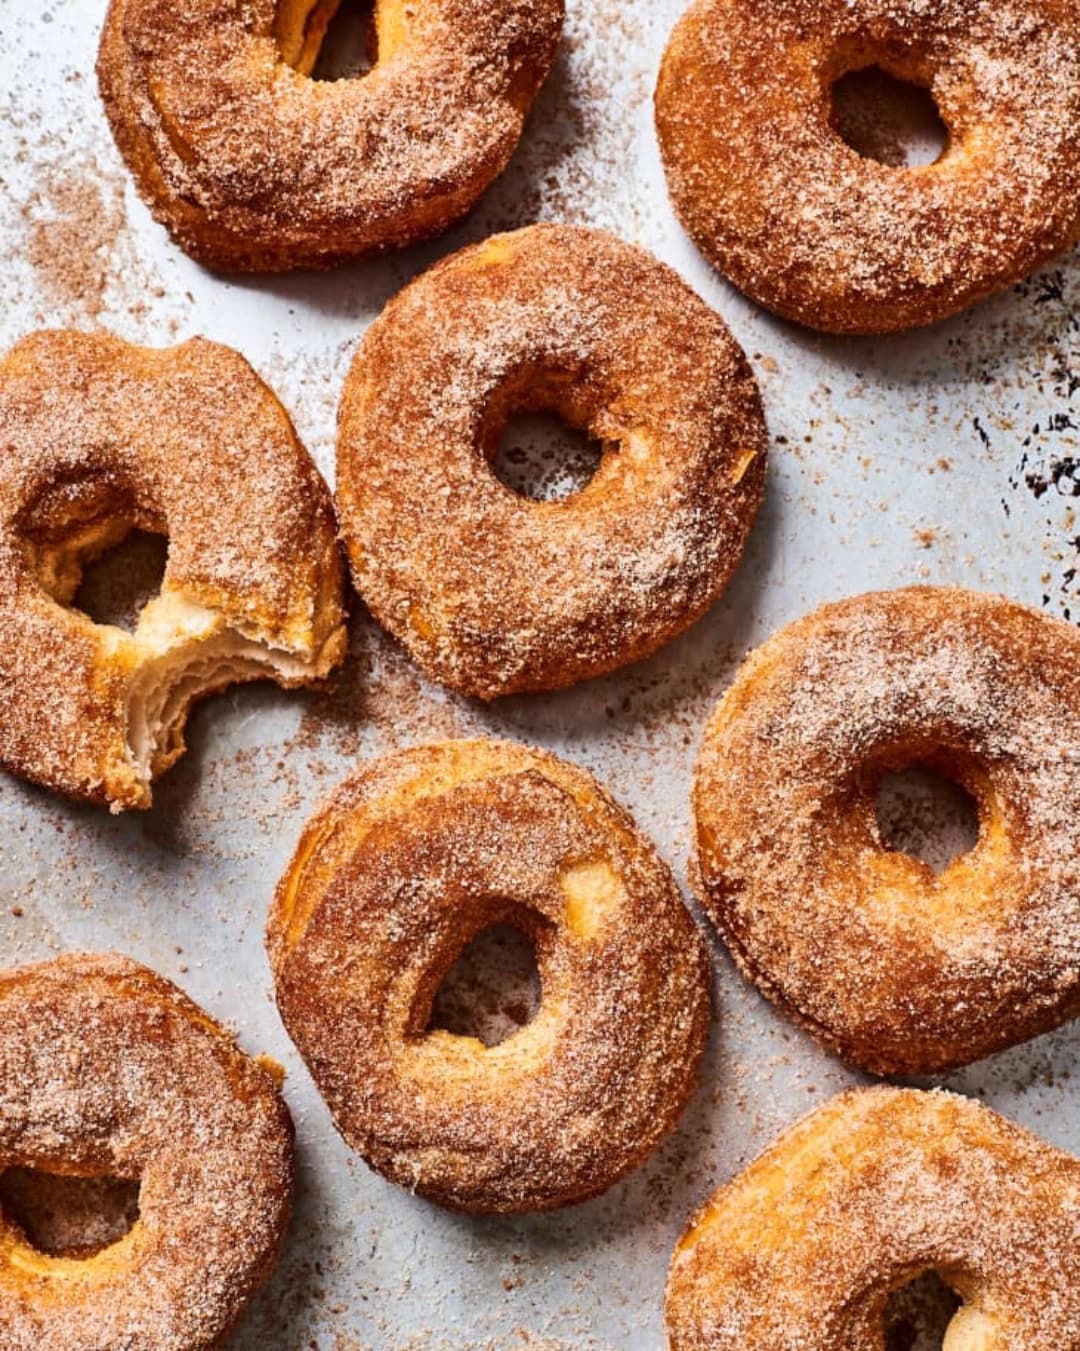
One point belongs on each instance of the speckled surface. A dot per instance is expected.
(945, 456)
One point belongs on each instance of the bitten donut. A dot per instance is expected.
(404, 865)
(893, 967)
(801, 1251)
(254, 166)
(98, 437)
(107, 1070)
(493, 593)
(804, 224)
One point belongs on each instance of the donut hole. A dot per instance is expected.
(328, 40)
(542, 457)
(350, 46)
(891, 120)
(925, 813)
(493, 988)
(72, 1217)
(118, 585)
(918, 1314)
(93, 550)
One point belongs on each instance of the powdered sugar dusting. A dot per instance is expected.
(105, 1069)
(401, 867)
(102, 437)
(897, 969)
(873, 441)
(801, 222)
(255, 167)
(576, 322)
(876, 1187)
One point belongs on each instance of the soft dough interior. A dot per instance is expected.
(184, 652)
(181, 650)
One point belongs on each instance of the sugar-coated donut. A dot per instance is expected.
(493, 593)
(108, 1070)
(97, 437)
(254, 166)
(893, 967)
(407, 862)
(805, 225)
(801, 1251)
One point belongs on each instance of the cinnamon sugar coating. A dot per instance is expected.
(806, 226)
(801, 1251)
(490, 592)
(254, 166)
(891, 966)
(108, 1069)
(97, 437)
(407, 862)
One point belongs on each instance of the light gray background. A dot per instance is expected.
(894, 461)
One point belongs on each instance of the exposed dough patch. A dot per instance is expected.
(593, 892)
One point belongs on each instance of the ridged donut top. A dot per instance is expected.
(254, 165)
(493, 593)
(97, 436)
(897, 968)
(800, 1251)
(803, 223)
(398, 871)
(107, 1069)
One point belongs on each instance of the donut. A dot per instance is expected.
(399, 870)
(493, 593)
(809, 228)
(801, 1251)
(253, 166)
(98, 437)
(107, 1069)
(891, 966)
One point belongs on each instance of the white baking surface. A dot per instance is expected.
(919, 458)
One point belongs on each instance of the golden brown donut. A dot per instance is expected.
(802, 223)
(889, 965)
(407, 862)
(253, 166)
(106, 1069)
(801, 1251)
(98, 437)
(493, 593)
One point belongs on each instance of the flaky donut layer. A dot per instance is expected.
(99, 437)
(806, 226)
(493, 593)
(801, 1251)
(254, 166)
(406, 863)
(893, 967)
(106, 1069)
